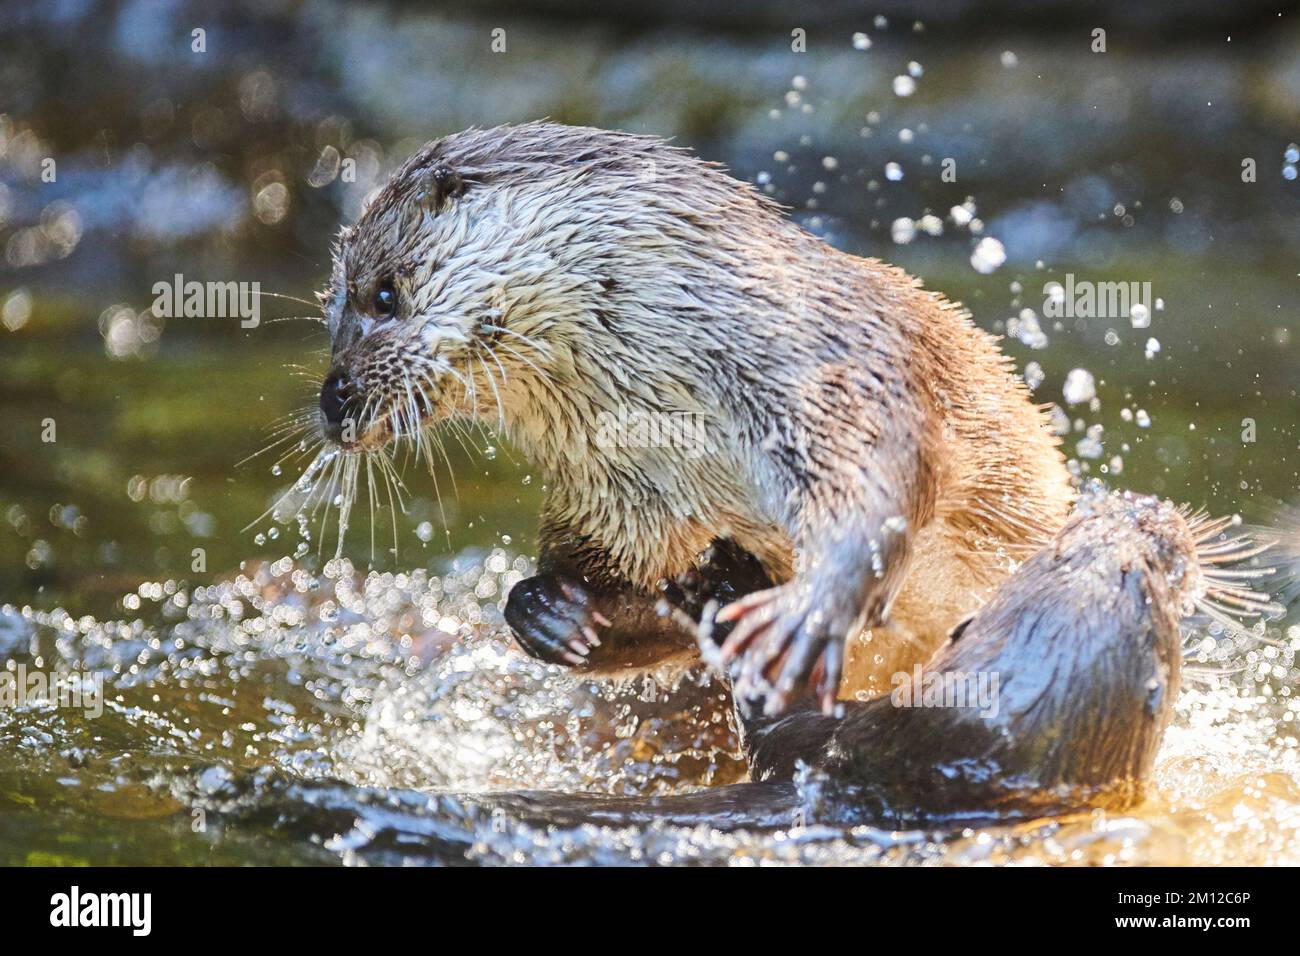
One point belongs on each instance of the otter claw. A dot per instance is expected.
(778, 644)
(553, 621)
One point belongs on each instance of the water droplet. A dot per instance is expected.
(1033, 375)
(861, 41)
(1009, 59)
(931, 225)
(424, 531)
(1079, 387)
(1025, 327)
(893, 172)
(1089, 448)
(904, 86)
(1140, 316)
(988, 255)
(903, 230)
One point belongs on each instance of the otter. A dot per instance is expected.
(856, 434)
(861, 474)
(1081, 652)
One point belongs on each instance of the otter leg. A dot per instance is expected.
(853, 496)
(793, 634)
(576, 613)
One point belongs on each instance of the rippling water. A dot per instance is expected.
(380, 718)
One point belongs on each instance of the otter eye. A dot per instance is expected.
(385, 303)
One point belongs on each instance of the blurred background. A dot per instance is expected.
(235, 162)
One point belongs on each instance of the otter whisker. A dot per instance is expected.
(317, 463)
(289, 436)
(326, 496)
(1250, 603)
(1239, 549)
(283, 429)
(541, 347)
(505, 379)
(458, 431)
(437, 491)
(352, 467)
(370, 494)
(393, 482)
(291, 298)
(428, 436)
(294, 318)
(523, 358)
(487, 373)
(1205, 674)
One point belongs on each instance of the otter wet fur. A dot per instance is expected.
(1083, 649)
(859, 453)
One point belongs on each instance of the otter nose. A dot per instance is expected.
(336, 392)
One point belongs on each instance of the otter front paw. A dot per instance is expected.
(782, 641)
(554, 619)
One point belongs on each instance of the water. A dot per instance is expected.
(264, 704)
(382, 718)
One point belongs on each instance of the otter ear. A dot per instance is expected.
(437, 185)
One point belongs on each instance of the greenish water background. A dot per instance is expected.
(164, 152)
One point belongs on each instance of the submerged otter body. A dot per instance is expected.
(1054, 696)
(860, 470)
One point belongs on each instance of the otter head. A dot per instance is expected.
(400, 314)
(1211, 566)
(1146, 534)
(495, 258)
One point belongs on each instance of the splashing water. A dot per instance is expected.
(388, 717)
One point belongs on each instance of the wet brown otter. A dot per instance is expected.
(1054, 696)
(862, 472)
(856, 434)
